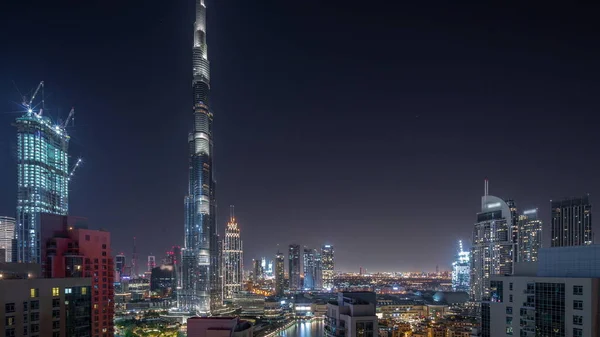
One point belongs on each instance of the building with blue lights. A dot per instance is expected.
(461, 270)
(42, 180)
(201, 276)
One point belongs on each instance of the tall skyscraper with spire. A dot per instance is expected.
(232, 258)
(200, 270)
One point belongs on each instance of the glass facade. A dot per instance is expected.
(550, 309)
(201, 277)
(279, 274)
(78, 307)
(7, 235)
(312, 269)
(294, 267)
(42, 181)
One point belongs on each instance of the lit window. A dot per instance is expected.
(33, 292)
(83, 290)
(56, 291)
(68, 290)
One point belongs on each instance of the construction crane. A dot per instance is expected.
(71, 116)
(74, 168)
(29, 105)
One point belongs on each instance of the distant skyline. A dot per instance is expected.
(371, 128)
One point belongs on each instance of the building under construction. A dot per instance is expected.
(43, 176)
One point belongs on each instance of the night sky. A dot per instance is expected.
(369, 125)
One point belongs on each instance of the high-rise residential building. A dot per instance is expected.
(233, 258)
(530, 236)
(201, 271)
(556, 296)
(72, 250)
(312, 269)
(279, 274)
(493, 246)
(327, 266)
(34, 306)
(7, 235)
(571, 222)
(461, 270)
(294, 267)
(151, 262)
(352, 315)
(42, 179)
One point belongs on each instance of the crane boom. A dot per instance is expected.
(75, 168)
(71, 115)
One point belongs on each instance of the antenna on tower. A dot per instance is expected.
(232, 212)
(486, 187)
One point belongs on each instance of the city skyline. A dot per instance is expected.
(425, 124)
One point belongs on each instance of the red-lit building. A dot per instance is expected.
(70, 249)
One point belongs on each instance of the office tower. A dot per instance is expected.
(571, 222)
(257, 271)
(294, 267)
(352, 315)
(279, 274)
(34, 306)
(233, 258)
(218, 326)
(318, 271)
(119, 266)
(493, 248)
(327, 266)
(557, 296)
(7, 234)
(530, 236)
(72, 251)
(311, 268)
(461, 270)
(151, 262)
(201, 275)
(43, 178)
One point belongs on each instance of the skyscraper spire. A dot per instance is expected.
(200, 268)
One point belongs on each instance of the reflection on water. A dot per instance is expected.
(305, 329)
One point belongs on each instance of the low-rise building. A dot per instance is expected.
(218, 327)
(352, 315)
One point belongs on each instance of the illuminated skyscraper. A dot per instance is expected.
(530, 236)
(572, 222)
(461, 270)
(119, 265)
(201, 278)
(493, 248)
(279, 274)
(327, 266)
(43, 179)
(232, 258)
(294, 267)
(312, 269)
(7, 234)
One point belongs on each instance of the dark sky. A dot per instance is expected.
(366, 124)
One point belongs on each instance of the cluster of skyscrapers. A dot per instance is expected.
(310, 269)
(507, 265)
